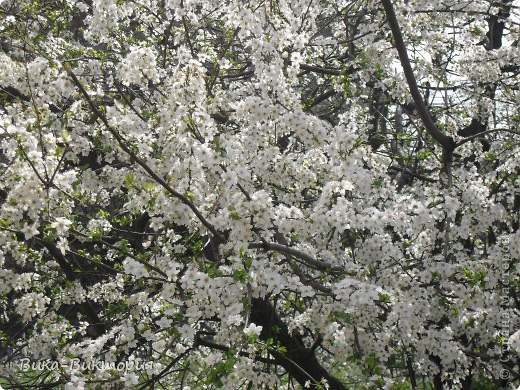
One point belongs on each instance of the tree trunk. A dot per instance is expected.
(299, 361)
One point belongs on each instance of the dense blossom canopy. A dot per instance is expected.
(259, 194)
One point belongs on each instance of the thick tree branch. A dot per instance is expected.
(445, 141)
(299, 360)
(307, 259)
(306, 280)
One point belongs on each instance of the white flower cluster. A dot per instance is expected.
(138, 67)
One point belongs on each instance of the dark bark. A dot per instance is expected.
(467, 382)
(516, 212)
(444, 140)
(496, 26)
(300, 361)
(474, 128)
(437, 379)
(377, 109)
(492, 41)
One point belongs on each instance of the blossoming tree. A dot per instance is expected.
(259, 194)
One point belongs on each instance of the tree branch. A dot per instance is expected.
(317, 69)
(307, 259)
(416, 175)
(199, 341)
(445, 141)
(299, 361)
(137, 159)
(471, 138)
